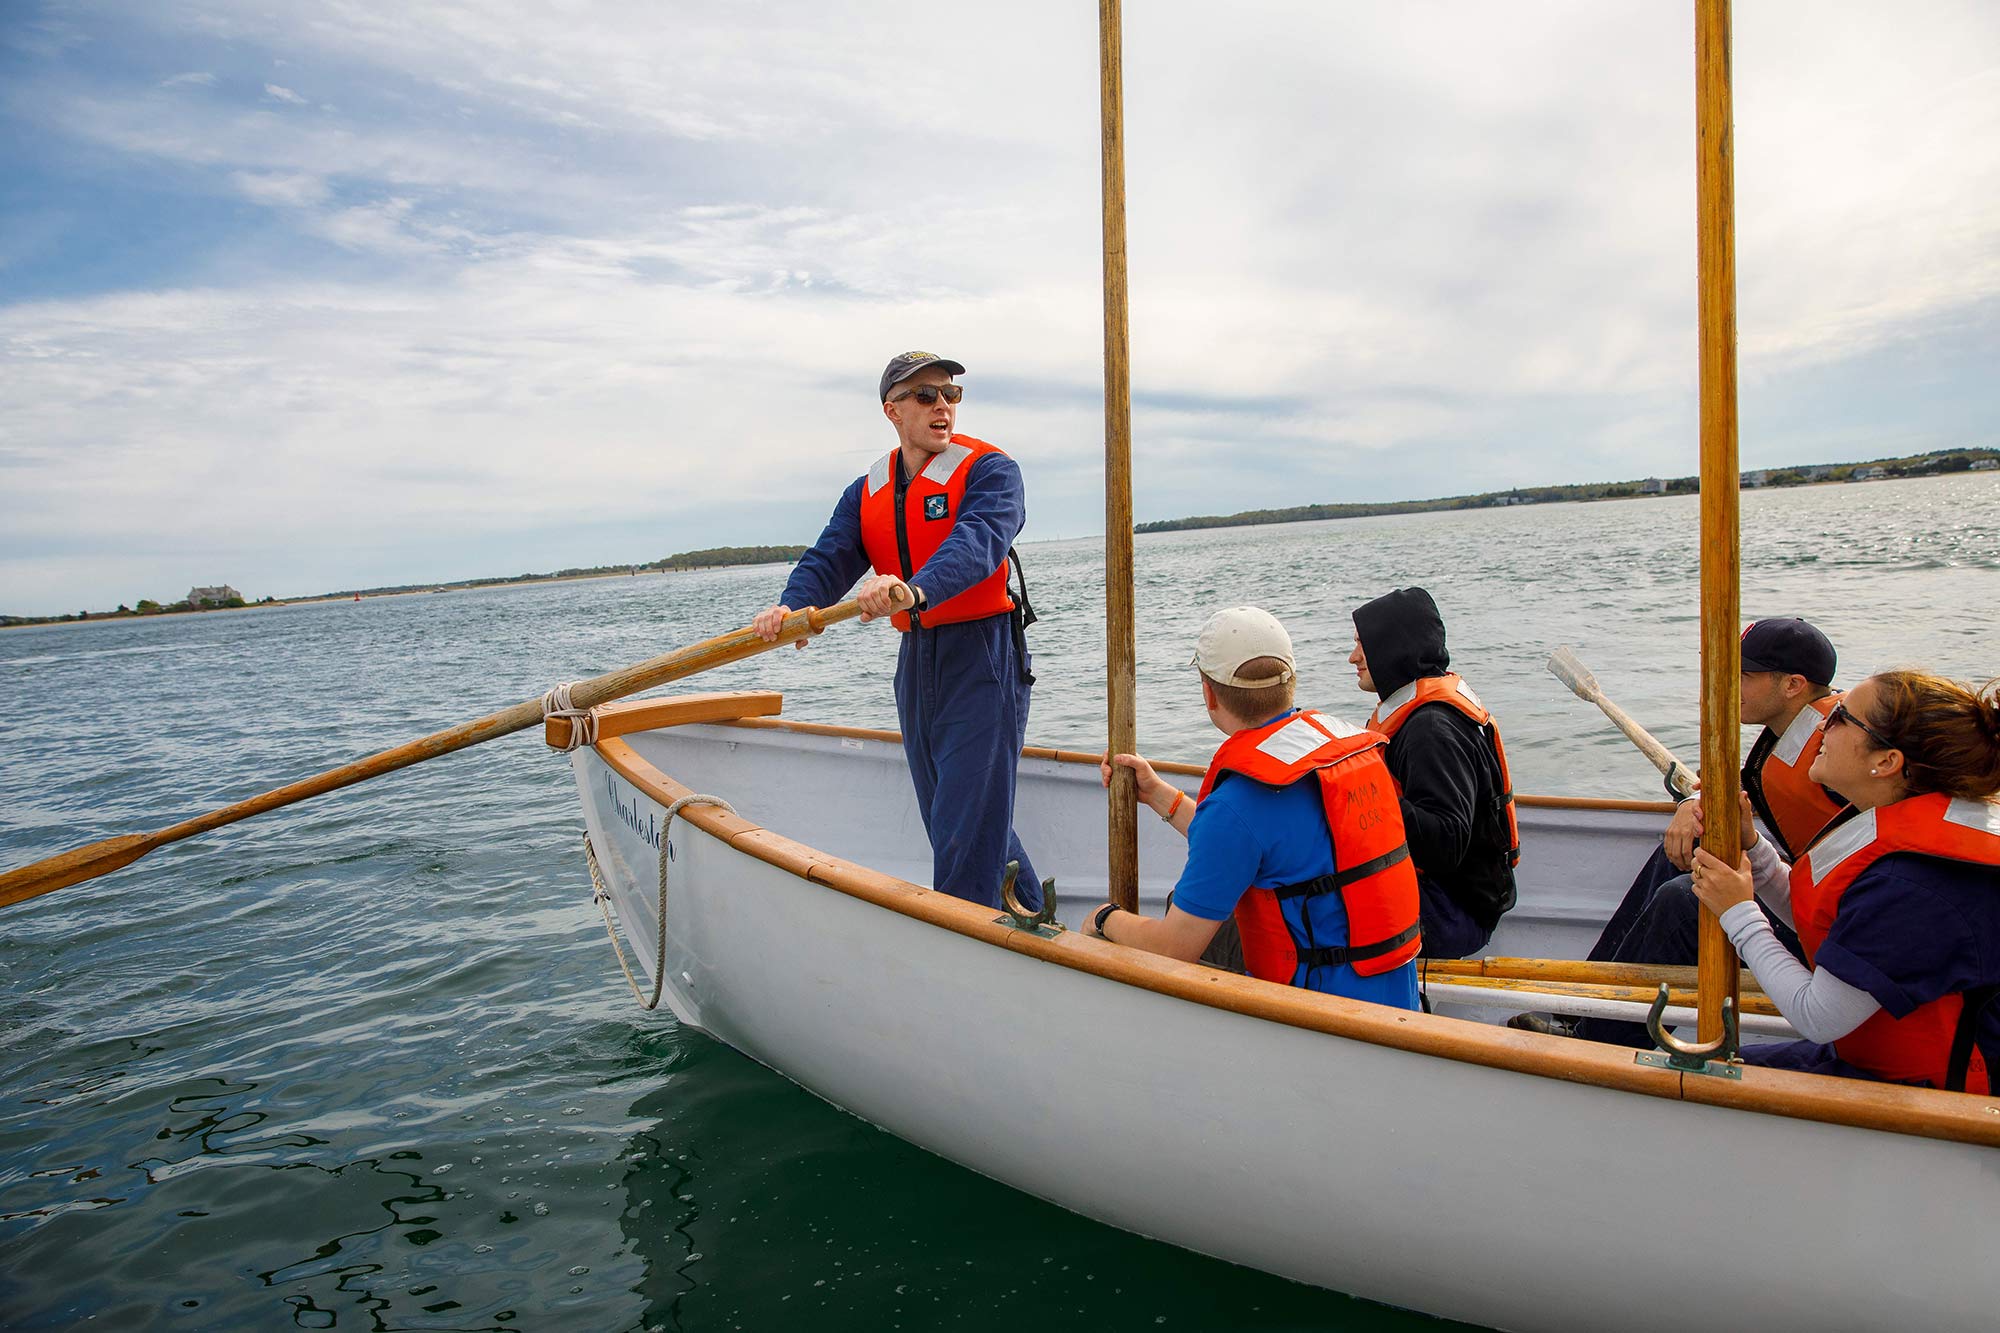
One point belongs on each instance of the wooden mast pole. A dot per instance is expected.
(1721, 550)
(1119, 631)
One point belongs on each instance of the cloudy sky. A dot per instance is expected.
(331, 293)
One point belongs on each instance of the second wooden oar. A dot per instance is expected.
(1564, 665)
(101, 858)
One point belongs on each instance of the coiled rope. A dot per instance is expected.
(582, 721)
(601, 895)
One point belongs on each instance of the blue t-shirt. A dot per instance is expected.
(1912, 928)
(1247, 835)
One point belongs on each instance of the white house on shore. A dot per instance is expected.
(212, 596)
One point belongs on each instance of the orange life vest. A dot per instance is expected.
(1791, 804)
(1919, 1046)
(1390, 715)
(1372, 870)
(902, 527)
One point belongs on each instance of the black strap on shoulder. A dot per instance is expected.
(1753, 787)
(1334, 883)
(1335, 957)
(1963, 1040)
(1024, 613)
(1022, 616)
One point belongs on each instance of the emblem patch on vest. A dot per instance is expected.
(937, 506)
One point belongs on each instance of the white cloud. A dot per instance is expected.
(280, 189)
(528, 253)
(198, 78)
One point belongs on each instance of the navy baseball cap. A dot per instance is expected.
(909, 363)
(1790, 645)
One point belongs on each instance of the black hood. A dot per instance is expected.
(1402, 636)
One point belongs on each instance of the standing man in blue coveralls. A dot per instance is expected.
(937, 519)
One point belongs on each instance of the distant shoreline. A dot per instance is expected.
(666, 566)
(1939, 462)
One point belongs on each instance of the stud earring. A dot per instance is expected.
(1871, 772)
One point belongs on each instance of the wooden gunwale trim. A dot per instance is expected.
(1919, 1112)
(1167, 766)
(630, 715)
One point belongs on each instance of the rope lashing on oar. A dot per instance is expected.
(601, 895)
(582, 721)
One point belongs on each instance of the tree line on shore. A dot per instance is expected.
(710, 558)
(1913, 465)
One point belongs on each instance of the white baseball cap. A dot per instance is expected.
(1242, 634)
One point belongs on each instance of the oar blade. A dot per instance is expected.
(1568, 669)
(73, 867)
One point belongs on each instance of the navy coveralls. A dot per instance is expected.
(961, 689)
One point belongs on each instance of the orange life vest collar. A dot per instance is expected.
(1919, 1046)
(903, 526)
(1792, 805)
(1372, 870)
(1450, 689)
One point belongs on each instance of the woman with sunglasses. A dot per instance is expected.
(1897, 904)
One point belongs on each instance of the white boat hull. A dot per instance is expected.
(1436, 1178)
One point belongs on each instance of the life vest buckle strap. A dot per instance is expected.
(1339, 955)
(1339, 880)
(1965, 1036)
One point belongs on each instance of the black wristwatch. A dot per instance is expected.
(1103, 914)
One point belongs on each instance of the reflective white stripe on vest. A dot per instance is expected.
(1340, 730)
(1470, 697)
(1396, 703)
(1840, 844)
(878, 476)
(1979, 816)
(1293, 741)
(946, 462)
(1793, 743)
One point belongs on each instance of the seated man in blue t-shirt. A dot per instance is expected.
(1261, 840)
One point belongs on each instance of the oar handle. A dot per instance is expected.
(1563, 664)
(101, 858)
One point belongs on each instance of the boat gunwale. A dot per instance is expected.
(1891, 1108)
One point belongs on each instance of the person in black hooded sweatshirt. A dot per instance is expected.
(1446, 756)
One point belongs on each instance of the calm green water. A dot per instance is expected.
(367, 1063)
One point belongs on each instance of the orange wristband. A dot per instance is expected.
(1174, 805)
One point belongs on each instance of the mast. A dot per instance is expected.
(1721, 543)
(1119, 633)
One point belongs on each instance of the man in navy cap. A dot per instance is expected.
(1786, 688)
(936, 519)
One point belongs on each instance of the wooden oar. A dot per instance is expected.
(1646, 975)
(1571, 672)
(1752, 1002)
(101, 858)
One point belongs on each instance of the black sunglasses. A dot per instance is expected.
(928, 394)
(1839, 715)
